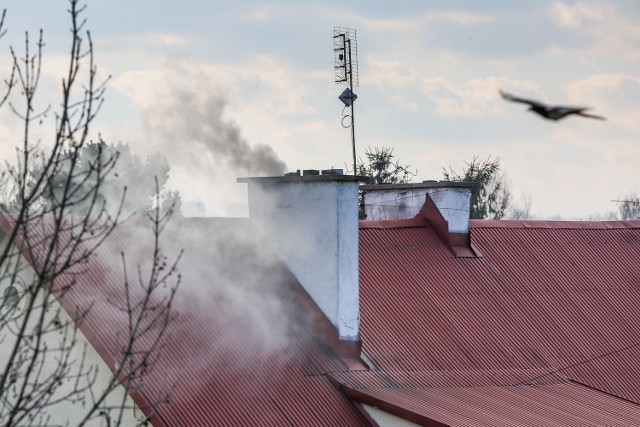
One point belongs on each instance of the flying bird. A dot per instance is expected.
(551, 112)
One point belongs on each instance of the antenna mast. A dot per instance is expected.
(345, 49)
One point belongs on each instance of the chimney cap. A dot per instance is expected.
(303, 178)
(332, 171)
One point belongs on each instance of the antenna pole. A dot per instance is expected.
(345, 48)
(353, 120)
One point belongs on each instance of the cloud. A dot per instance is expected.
(396, 73)
(165, 40)
(611, 27)
(409, 89)
(152, 39)
(576, 15)
(612, 95)
(262, 13)
(458, 17)
(418, 21)
(475, 97)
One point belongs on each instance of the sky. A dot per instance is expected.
(210, 84)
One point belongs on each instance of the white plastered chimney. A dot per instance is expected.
(312, 223)
(399, 201)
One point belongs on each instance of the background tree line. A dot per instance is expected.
(131, 180)
(491, 197)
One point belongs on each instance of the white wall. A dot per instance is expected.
(65, 411)
(405, 201)
(312, 224)
(385, 419)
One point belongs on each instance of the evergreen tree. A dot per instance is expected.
(490, 197)
(381, 169)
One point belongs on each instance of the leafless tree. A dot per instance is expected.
(520, 209)
(46, 370)
(629, 206)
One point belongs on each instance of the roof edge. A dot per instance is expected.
(544, 224)
(384, 405)
(423, 184)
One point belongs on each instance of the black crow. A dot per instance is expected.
(551, 112)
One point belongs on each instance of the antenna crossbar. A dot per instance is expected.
(345, 48)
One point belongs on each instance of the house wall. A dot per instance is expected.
(312, 224)
(383, 202)
(385, 419)
(65, 412)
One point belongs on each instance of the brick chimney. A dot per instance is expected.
(311, 220)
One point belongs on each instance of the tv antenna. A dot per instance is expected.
(345, 65)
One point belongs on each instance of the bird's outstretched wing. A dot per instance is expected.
(591, 116)
(512, 98)
(555, 112)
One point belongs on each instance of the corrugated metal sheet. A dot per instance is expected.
(543, 405)
(239, 352)
(551, 298)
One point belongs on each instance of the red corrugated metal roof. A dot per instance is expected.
(499, 339)
(553, 298)
(240, 351)
(541, 405)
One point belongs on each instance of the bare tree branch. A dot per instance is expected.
(56, 222)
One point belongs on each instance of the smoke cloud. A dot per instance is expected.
(194, 125)
(233, 305)
(185, 116)
(231, 286)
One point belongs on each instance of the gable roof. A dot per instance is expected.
(543, 305)
(242, 348)
(506, 334)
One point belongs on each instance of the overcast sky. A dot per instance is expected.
(203, 81)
